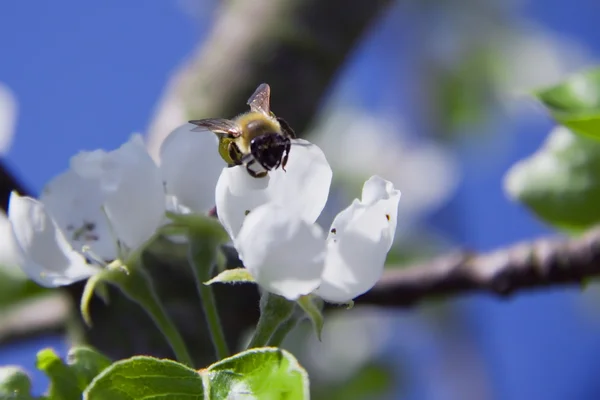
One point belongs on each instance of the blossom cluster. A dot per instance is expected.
(110, 205)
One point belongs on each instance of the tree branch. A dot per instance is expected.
(297, 46)
(539, 264)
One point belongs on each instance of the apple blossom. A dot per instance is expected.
(303, 187)
(273, 229)
(190, 166)
(108, 204)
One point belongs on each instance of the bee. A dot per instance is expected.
(257, 139)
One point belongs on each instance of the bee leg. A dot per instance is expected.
(284, 161)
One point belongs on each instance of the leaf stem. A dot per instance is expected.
(274, 311)
(138, 286)
(283, 329)
(202, 255)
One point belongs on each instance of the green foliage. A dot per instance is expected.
(237, 275)
(575, 103)
(68, 381)
(560, 183)
(144, 377)
(86, 363)
(312, 306)
(63, 380)
(265, 373)
(14, 384)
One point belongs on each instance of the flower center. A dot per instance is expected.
(86, 232)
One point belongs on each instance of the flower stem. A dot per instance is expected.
(282, 330)
(137, 285)
(201, 256)
(274, 311)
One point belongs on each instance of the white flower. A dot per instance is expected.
(111, 202)
(303, 188)
(190, 166)
(8, 118)
(75, 204)
(132, 189)
(274, 231)
(42, 250)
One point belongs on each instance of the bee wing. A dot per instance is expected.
(219, 126)
(259, 101)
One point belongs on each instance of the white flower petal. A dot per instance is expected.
(11, 256)
(358, 242)
(47, 256)
(8, 118)
(132, 186)
(283, 253)
(190, 165)
(236, 194)
(302, 189)
(75, 203)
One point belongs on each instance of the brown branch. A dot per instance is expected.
(539, 264)
(297, 46)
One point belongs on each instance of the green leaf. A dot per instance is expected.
(264, 373)
(237, 275)
(86, 363)
(575, 102)
(312, 306)
(144, 377)
(97, 285)
(63, 381)
(560, 183)
(14, 384)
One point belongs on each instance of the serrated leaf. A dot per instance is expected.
(63, 381)
(560, 183)
(144, 377)
(575, 103)
(14, 384)
(262, 373)
(237, 275)
(86, 363)
(312, 307)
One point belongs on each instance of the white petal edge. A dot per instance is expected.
(133, 188)
(11, 256)
(303, 188)
(47, 256)
(236, 195)
(75, 203)
(190, 165)
(358, 242)
(283, 253)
